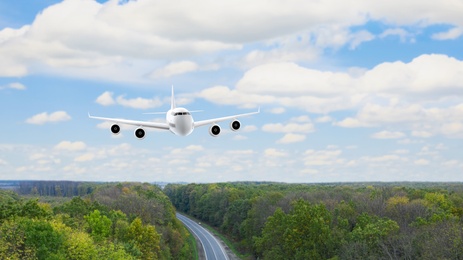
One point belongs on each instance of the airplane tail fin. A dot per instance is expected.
(172, 100)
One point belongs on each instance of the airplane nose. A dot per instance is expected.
(185, 126)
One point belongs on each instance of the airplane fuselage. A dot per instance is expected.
(180, 121)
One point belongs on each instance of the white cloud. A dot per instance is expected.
(42, 118)
(291, 138)
(301, 119)
(421, 162)
(278, 110)
(388, 135)
(187, 150)
(351, 123)
(401, 33)
(249, 128)
(179, 31)
(322, 157)
(288, 128)
(175, 68)
(422, 134)
(3, 162)
(14, 85)
(239, 137)
(451, 34)
(106, 99)
(402, 151)
(85, 157)
(139, 103)
(272, 152)
(384, 158)
(71, 146)
(324, 119)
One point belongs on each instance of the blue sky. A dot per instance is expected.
(355, 90)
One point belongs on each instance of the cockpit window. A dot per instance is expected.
(181, 113)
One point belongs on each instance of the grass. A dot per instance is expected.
(192, 242)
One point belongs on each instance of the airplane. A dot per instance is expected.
(179, 121)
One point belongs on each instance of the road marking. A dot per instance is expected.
(190, 224)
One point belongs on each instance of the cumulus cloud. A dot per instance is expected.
(388, 135)
(139, 103)
(449, 35)
(3, 162)
(179, 31)
(383, 158)
(322, 157)
(421, 162)
(278, 110)
(71, 146)
(410, 95)
(291, 138)
(42, 118)
(85, 157)
(175, 68)
(106, 99)
(288, 128)
(14, 85)
(272, 152)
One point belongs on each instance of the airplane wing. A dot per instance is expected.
(220, 119)
(133, 122)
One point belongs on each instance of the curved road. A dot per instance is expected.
(212, 248)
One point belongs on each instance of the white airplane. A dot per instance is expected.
(178, 120)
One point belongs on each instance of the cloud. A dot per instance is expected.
(383, 158)
(3, 162)
(179, 31)
(391, 92)
(71, 146)
(85, 157)
(401, 33)
(249, 128)
(175, 68)
(422, 162)
(291, 138)
(388, 135)
(272, 152)
(322, 157)
(448, 35)
(14, 85)
(278, 110)
(139, 103)
(106, 99)
(422, 134)
(288, 128)
(324, 119)
(42, 118)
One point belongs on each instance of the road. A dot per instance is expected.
(212, 247)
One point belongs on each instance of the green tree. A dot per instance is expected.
(145, 238)
(99, 225)
(309, 232)
(271, 244)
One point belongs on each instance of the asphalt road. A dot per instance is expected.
(212, 248)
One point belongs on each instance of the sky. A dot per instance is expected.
(353, 90)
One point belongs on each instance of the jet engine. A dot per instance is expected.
(235, 125)
(140, 133)
(115, 129)
(214, 130)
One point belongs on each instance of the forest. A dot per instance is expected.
(90, 221)
(331, 221)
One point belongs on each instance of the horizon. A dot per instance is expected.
(349, 92)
